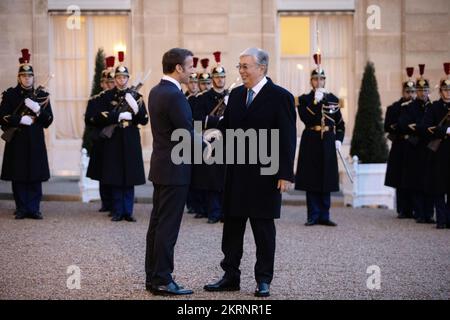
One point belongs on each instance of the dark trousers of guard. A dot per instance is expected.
(422, 206)
(214, 199)
(442, 204)
(27, 196)
(405, 203)
(122, 201)
(197, 201)
(318, 206)
(162, 234)
(232, 247)
(106, 196)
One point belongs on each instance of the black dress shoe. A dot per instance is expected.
(20, 215)
(200, 216)
(441, 226)
(129, 219)
(212, 221)
(36, 216)
(262, 290)
(420, 220)
(190, 211)
(310, 223)
(328, 223)
(402, 216)
(223, 285)
(104, 209)
(170, 289)
(430, 221)
(116, 218)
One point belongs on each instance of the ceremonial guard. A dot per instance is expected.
(437, 126)
(396, 160)
(192, 86)
(317, 167)
(120, 112)
(25, 112)
(96, 154)
(210, 177)
(416, 151)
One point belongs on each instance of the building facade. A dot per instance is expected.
(64, 41)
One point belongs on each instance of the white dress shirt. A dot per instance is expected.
(175, 82)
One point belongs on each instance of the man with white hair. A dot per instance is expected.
(258, 105)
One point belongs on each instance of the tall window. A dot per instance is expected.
(73, 62)
(298, 41)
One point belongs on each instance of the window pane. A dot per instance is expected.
(295, 35)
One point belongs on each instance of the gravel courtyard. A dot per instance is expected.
(311, 262)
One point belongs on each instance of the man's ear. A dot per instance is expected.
(179, 68)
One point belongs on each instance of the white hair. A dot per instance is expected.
(261, 56)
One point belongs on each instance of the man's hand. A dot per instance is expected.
(32, 105)
(132, 103)
(338, 145)
(283, 185)
(125, 116)
(26, 120)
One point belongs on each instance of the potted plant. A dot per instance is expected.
(369, 150)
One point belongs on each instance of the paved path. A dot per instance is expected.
(311, 262)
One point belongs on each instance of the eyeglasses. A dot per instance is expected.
(245, 66)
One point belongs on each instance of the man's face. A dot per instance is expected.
(409, 94)
(218, 82)
(445, 93)
(205, 85)
(251, 72)
(186, 70)
(26, 80)
(192, 86)
(103, 84)
(121, 81)
(423, 94)
(110, 84)
(318, 83)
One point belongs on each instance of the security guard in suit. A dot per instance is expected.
(210, 177)
(317, 167)
(120, 111)
(25, 112)
(416, 151)
(437, 126)
(95, 156)
(396, 160)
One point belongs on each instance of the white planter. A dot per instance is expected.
(88, 188)
(368, 187)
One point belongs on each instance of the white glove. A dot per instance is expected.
(132, 103)
(338, 145)
(125, 116)
(318, 96)
(448, 130)
(26, 120)
(32, 105)
(212, 134)
(323, 90)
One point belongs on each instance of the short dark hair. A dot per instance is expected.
(173, 57)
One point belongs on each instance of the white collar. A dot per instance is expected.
(256, 89)
(175, 82)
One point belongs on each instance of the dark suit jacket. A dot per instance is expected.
(169, 110)
(248, 193)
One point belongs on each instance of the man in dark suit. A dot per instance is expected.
(249, 193)
(169, 110)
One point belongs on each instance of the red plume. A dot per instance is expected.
(121, 56)
(217, 56)
(25, 52)
(421, 69)
(195, 62)
(410, 71)
(21, 60)
(447, 68)
(110, 61)
(205, 63)
(317, 58)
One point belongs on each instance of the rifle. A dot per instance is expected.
(9, 132)
(434, 145)
(123, 106)
(219, 109)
